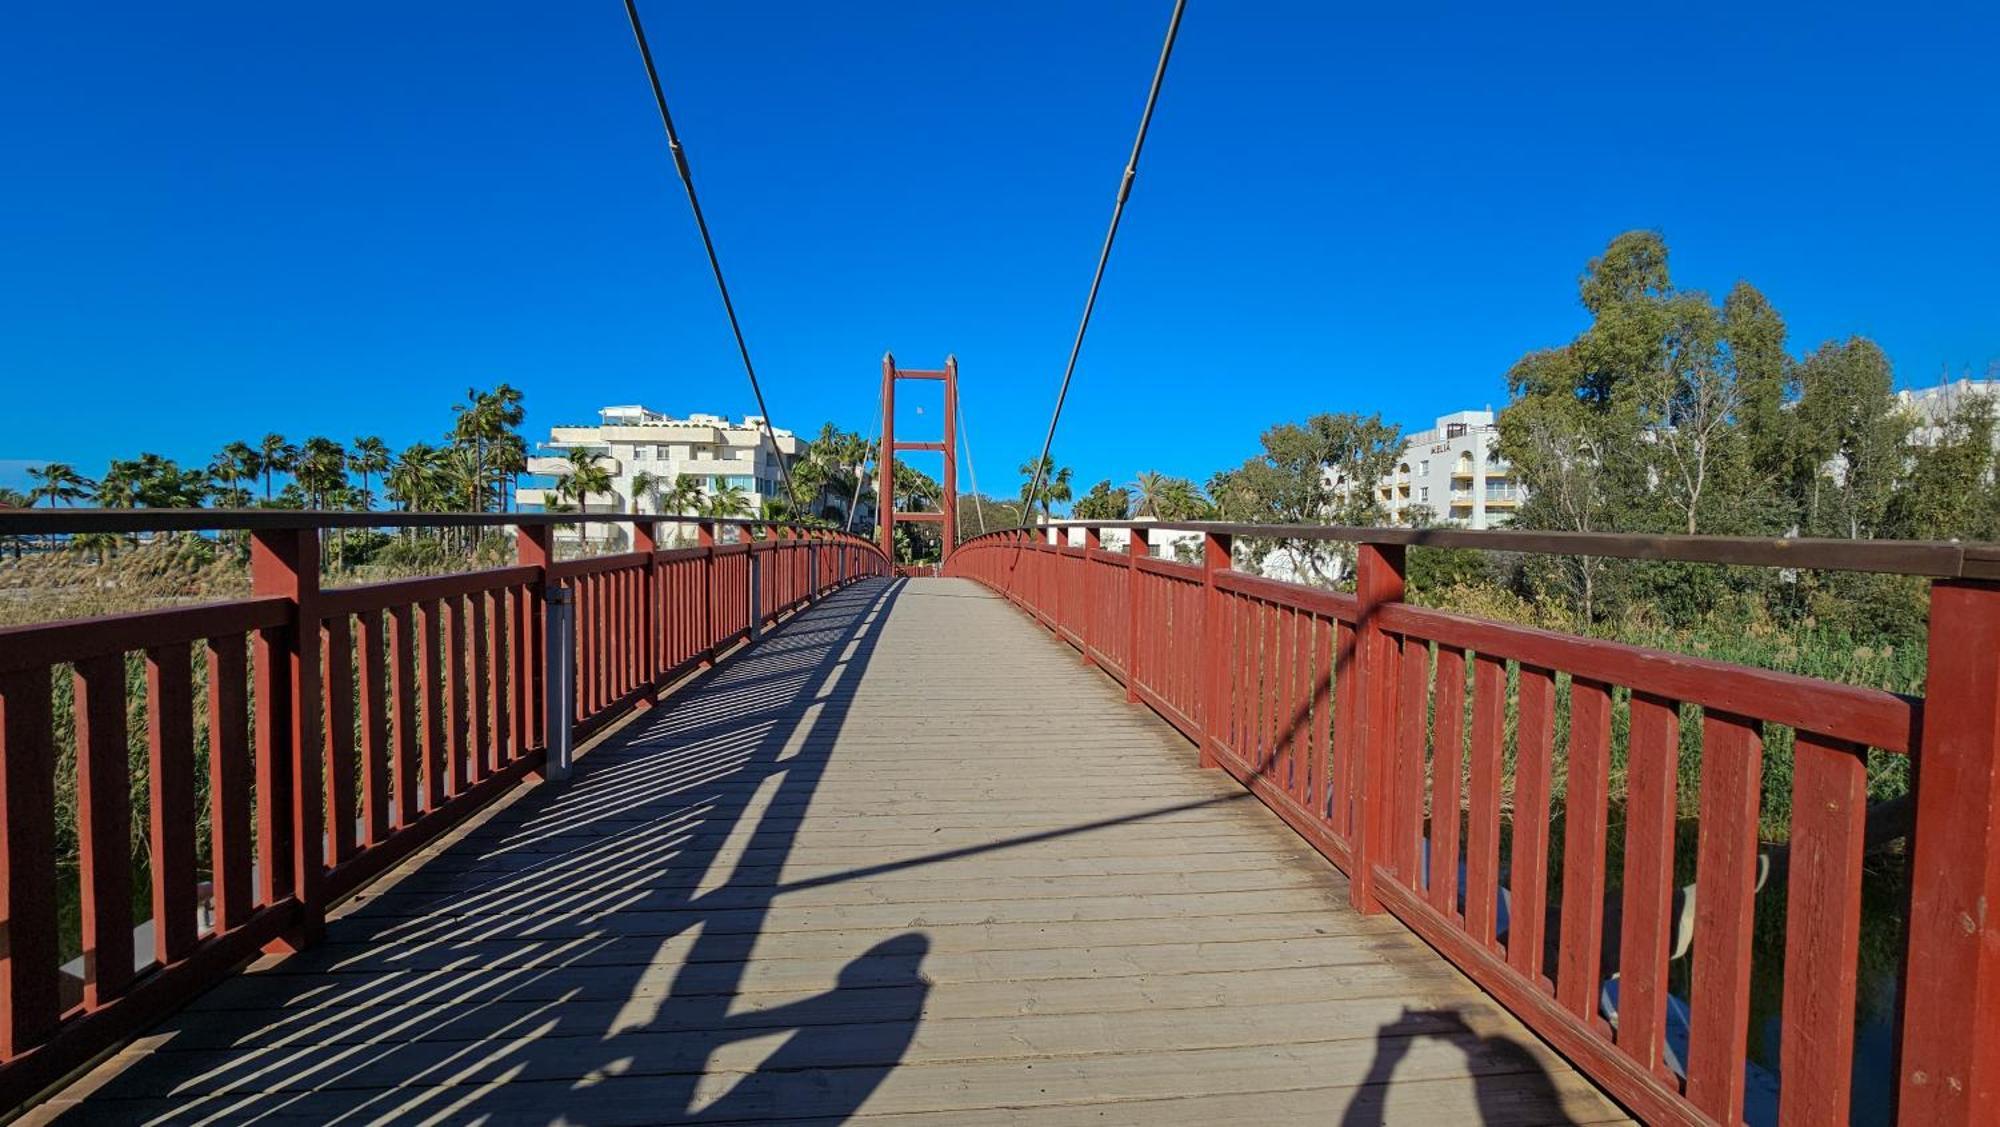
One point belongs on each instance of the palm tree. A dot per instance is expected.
(645, 484)
(1055, 485)
(484, 420)
(274, 455)
(727, 502)
(369, 456)
(119, 487)
(321, 469)
(60, 483)
(584, 477)
(1148, 490)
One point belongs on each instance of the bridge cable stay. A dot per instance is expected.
(971, 471)
(855, 505)
(1103, 257)
(707, 241)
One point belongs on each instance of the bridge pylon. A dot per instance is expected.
(885, 488)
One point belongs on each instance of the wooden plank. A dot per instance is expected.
(170, 791)
(231, 767)
(1413, 724)
(1482, 845)
(430, 681)
(1529, 859)
(1732, 760)
(104, 827)
(1822, 929)
(376, 757)
(1447, 753)
(406, 719)
(30, 1004)
(342, 769)
(1580, 955)
(1647, 932)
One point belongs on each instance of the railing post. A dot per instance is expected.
(1093, 539)
(1949, 1058)
(704, 532)
(560, 703)
(1215, 558)
(756, 586)
(646, 538)
(291, 831)
(1378, 580)
(1136, 548)
(532, 548)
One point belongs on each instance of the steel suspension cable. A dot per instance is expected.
(1103, 256)
(707, 241)
(971, 471)
(855, 504)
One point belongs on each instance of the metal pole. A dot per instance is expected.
(561, 683)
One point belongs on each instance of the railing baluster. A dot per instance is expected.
(1580, 951)
(170, 791)
(104, 824)
(430, 679)
(1529, 867)
(230, 768)
(1822, 930)
(30, 1005)
(1732, 761)
(1647, 920)
(1413, 715)
(1447, 782)
(1482, 839)
(340, 763)
(374, 732)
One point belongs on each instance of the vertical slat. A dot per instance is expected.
(1346, 730)
(479, 688)
(430, 675)
(229, 770)
(1412, 716)
(1482, 839)
(170, 788)
(104, 824)
(272, 694)
(338, 671)
(1278, 759)
(1649, 880)
(1529, 862)
(1299, 717)
(1732, 757)
(405, 712)
(496, 679)
(518, 741)
(1447, 756)
(1319, 755)
(455, 718)
(1580, 954)
(30, 1002)
(374, 732)
(1822, 930)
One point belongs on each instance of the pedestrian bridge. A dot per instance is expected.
(1066, 835)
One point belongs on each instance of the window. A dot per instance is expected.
(1424, 493)
(1424, 468)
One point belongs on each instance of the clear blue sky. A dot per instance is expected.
(221, 219)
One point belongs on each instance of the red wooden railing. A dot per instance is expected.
(343, 729)
(1380, 732)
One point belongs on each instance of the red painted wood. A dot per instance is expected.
(1412, 718)
(1529, 858)
(1822, 930)
(406, 719)
(27, 648)
(1868, 716)
(286, 562)
(1378, 582)
(375, 710)
(271, 694)
(170, 793)
(1215, 559)
(1650, 807)
(342, 768)
(496, 680)
(456, 721)
(1346, 731)
(1579, 955)
(430, 679)
(231, 766)
(1319, 765)
(1482, 835)
(1447, 781)
(30, 1005)
(104, 826)
(479, 690)
(1732, 761)
(1950, 1063)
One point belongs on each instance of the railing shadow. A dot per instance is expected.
(584, 955)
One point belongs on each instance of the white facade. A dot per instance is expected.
(632, 440)
(1453, 472)
(1933, 407)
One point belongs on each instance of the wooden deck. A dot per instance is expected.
(903, 858)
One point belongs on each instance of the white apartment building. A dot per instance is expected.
(1933, 407)
(1453, 472)
(632, 440)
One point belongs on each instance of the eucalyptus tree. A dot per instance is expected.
(1104, 501)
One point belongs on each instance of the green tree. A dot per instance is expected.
(369, 458)
(275, 456)
(1104, 501)
(1850, 440)
(58, 483)
(321, 470)
(1322, 471)
(1055, 487)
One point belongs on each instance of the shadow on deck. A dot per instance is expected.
(850, 873)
